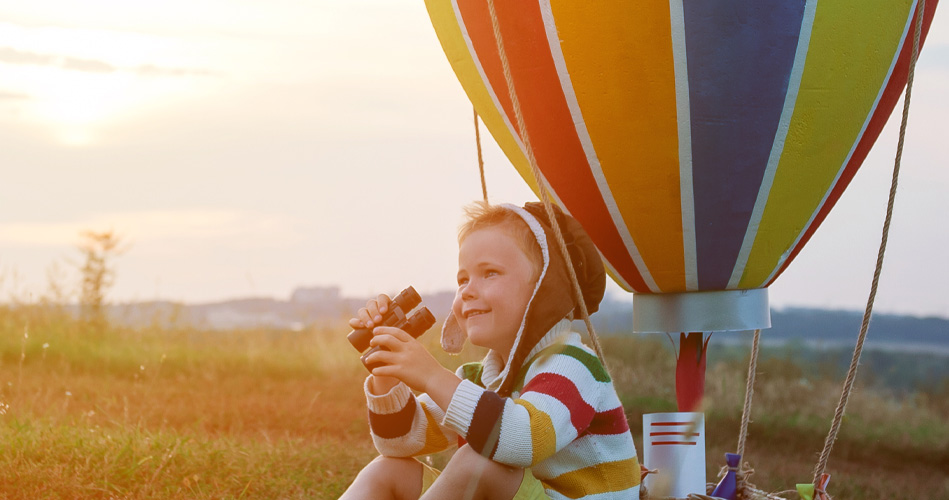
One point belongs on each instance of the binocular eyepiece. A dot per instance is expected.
(415, 325)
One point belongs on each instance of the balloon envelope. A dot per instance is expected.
(699, 143)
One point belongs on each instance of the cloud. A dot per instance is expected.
(13, 96)
(13, 56)
(151, 70)
(86, 65)
(152, 226)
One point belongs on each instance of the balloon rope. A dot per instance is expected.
(484, 185)
(749, 394)
(858, 349)
(541, 185)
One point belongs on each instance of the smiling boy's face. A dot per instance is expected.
(495, 283)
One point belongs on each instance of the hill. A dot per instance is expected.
(326, 306)
(903, 354)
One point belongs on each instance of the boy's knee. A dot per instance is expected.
(468, 455)
(387, 477)
(492, 479)
(472, 461)
(384, 470)
(395, 464)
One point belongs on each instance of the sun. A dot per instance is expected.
(80, 82)
(74, 105)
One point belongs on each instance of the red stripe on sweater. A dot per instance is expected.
(563, 389)
(608, 423)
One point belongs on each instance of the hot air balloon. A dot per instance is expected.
(700, 144)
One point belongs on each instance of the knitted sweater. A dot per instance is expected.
(564, 421)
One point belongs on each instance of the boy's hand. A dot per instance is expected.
(371, 315)
(406, 359)
(368, 317)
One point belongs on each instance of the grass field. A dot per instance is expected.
(269, 414)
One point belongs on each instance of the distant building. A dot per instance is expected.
(315, 295)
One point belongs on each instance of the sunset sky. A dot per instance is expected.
(245, 148)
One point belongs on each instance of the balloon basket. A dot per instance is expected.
(746, 491)
(674, 454)
(750, 494)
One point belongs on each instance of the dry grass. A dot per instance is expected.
(268, 414)
(177, 414)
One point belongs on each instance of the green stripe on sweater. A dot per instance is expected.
(590, 361)
(472, 372)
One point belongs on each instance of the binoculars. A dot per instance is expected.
(416, 324)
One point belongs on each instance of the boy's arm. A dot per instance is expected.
(401, 424)
(404, 425)
(405, 358)
(441, 387)
(379, 386)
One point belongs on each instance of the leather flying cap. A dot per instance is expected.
(586, 260)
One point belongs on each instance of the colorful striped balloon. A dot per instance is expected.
(700, 143)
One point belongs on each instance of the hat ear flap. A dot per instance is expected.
(453, 337)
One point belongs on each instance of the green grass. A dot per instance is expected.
(45, 460)
(186, 413)
(888, 447)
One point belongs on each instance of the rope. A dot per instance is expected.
(542, 188)
(858, 349)
(484, 185)
(749, 394)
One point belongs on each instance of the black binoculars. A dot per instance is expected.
(416, 324)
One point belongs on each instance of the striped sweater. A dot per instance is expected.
(564, 421)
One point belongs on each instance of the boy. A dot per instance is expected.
(539, 415)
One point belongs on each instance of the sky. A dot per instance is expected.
(244, 148)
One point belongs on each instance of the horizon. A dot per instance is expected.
(614, 297)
